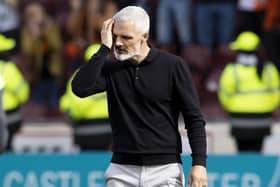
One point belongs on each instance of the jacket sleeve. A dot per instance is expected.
(227, 87)
(90, 79)
(189, 106)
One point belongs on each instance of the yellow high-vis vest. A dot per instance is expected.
(2, 82)
(242, 91)
(89, 108)
(93, 107)
(17, 89)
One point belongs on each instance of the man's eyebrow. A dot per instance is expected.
(123, 36)
(126, 36)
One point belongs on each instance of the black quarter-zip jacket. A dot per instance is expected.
(144, 104)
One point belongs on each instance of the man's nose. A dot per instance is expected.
(118, 42)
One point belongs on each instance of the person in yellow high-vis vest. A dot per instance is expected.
(249, 92)
(88, 116)
(16, 90)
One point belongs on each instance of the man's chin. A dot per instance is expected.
(123, 57)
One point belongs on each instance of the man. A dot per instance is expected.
(146, 90)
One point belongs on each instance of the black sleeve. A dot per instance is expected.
(189, 105)
(90, 79)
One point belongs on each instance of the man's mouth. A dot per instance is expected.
(121, 51)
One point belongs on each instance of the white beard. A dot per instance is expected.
(129, 55)
(123, 57)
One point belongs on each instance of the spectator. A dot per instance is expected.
(123, 3)
(173, 15)
(16, 90)
(83, 26)
(8, 16)
(96, 13)
(9, 19)
(41, 45)
(74, 36)
(215, 22)
(249, 92)
(250, 16)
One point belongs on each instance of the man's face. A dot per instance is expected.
(127, 41)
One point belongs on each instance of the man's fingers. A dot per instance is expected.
(196, 182)
(197, 177)
(106, 32)
(108, 23)
(204, 182)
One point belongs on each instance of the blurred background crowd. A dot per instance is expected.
(51, 38)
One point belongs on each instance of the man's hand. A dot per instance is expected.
(106, 33)
(197, 177)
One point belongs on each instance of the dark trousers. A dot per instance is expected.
(13, 128)
(250, 139)
(251, 145)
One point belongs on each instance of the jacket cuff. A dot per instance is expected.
(199, 160)
(104, 50)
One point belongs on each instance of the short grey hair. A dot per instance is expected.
(135, 14)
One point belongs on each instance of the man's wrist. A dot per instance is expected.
(199, 160)
(107, 45)
(104, 50)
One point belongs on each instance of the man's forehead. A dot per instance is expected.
(124, 25)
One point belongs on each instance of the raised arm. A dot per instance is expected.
(90, 79)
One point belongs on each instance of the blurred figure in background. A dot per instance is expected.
(41, 45)
(249, 92)
(250, 16)
(88, 116)
(16, 90)
(173, 16)
(272, 32)
(3, 125)
(214, 24)
(123, 3)
(74, 36)
(9, 19)
(97, 12)
(82, 28)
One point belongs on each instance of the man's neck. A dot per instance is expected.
(139, 58)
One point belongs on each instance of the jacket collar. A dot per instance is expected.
(247, 59)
